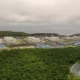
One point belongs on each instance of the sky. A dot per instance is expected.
(31, 16)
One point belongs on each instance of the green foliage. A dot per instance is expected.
(37, 64)
(44, 34)
(11, 33)
(72, 77)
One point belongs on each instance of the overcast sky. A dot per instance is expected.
(57, 16)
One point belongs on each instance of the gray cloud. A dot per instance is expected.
(57, 11)
(41, 28)
(58, 16)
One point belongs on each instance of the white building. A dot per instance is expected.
(52, 38)
(33, 39)
(10, 39)
(67, 38)
(74, 37)
(1, 41)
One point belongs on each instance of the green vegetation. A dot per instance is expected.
(22, 34)
(38, 64)
(44, 34)
(72, 77)
(78, 34)
(11, 33)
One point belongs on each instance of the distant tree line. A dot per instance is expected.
(22, 34)
(11, 33)
(75, 35)
(43, 34)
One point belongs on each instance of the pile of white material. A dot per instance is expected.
(52, 38)
(10, 39)
(1, 41)
(76, 69)
(33, 39)
(74, 37)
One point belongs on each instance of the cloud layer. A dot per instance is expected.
(55, 11)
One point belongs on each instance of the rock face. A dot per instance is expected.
(75, 69)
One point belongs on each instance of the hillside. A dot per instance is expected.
(37, 64)
(78, 34)
(11, 33)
